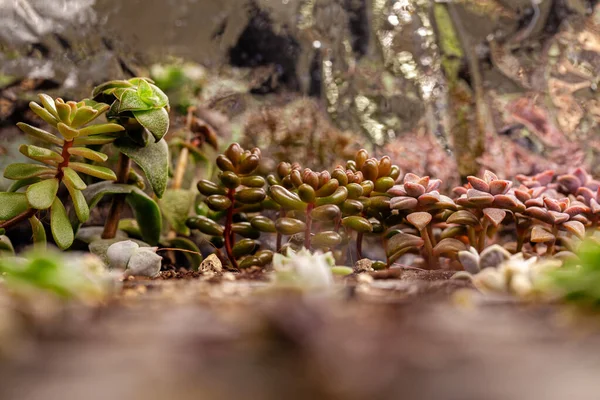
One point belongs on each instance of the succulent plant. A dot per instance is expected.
(516, 276)
(577, 281)
(304, 269)
(311, 197)
(70, 276)
(60, 162)
(142, 109)
(240, 190)
(128, 256)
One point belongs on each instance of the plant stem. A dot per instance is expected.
(228, 234)
(279, 236)
(552, 245)
(182, 161)
(520, 235)
(428, 248)
(118, 202)
(308, 226)
(30, 212)
(482, 236)
(359, 239)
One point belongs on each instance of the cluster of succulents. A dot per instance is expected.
(544, 215)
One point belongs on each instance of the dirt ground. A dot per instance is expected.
(401, 338)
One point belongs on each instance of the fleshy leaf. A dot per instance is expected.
(39, 153)
(6, 246)
(147, 214)
(72, 178)
(84, 115)
(94, 170)
(67, 132)
(541, 235)
(41, 195)
(40, 134)
(94, 140)
(48, 103)
(88, 154)
(152, 159)
(39, 233)
(194, 259)
(100, 129)
(155, 120)
(131, 101)
(449, 246)
(24, 171)
(43, 113)
(110, 85)
(60, 225)
(13, 204)
(176, 205)
(419, 219)
(22, 183)
(79, 204)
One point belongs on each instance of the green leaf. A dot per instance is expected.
(94, 170)
(43, 113)
(13, 204)
(48, 103)
(64, 111)
(62, 232)
(186, 244)
(98, 106)
(72, 178)
(41, 195)
(40, 154)
(110, 85)
(156, 121)
(94, 140)
(22, 183)
(79, 204)
(39, 233)
(88, 154)
(130, 227)
(176, 205)
(147, 214)
(152, 159)
(84, 115)
(6, 247)
(24, 171)
(89, 234)
(40, 134)
(67, 132)
(100, 129)
(131, 101)
(94, 193)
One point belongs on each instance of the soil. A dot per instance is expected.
(420, 336)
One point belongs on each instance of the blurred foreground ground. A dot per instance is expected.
(395, 339)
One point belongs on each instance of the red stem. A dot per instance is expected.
(228, 234)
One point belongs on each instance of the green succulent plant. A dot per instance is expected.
(142, 109)
(239, 191)
(60, 162)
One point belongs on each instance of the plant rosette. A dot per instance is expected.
(516, 276)
(134, 260)
(306, 270)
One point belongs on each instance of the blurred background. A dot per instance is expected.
(446, 88)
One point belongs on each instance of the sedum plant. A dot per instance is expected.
(239, 191)
(59, 162)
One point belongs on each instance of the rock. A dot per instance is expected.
(363, 265)
(211, 265)
(144, 262)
